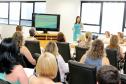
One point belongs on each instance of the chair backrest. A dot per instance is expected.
(112, 56)
(123, 78)
(4, 82)
(64, 50)
(81, 73)
(33, 46)
(80, 52)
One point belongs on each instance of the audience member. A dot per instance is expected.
(95, 55)
(87, 42)
(32, 34)
(10, 69)
(18, 38)
(106, 38)
(46, 70)
(114, 44)
(61, 37)
(19, 28)
(120, 37)
(63, 67)
(108, 74)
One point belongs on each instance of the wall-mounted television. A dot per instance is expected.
(46, 22)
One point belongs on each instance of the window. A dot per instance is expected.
(101, 16)
(91, 13)
(40, 7)
(112, 18)
(14, 13)
(4, 13)
(20, 12)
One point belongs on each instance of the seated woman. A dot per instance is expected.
(18, 38)
(63, 67)
(106, 38)
(10, 70)
(95, 55)
(114, 45)
(87, 42)
(61, 37)
(121, 37)
(46, 70)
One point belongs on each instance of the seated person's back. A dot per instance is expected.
(95, 55)
(108, 74)
(46, 70)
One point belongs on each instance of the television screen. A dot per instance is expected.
(46, 22)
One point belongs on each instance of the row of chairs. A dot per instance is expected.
(85, 74)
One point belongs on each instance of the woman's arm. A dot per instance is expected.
(27, 54)
(63, 65)
(22, 77)
(83, 58)
(105, 61)
(122, 55)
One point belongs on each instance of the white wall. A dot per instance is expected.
(68, 9)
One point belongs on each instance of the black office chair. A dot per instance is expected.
(79, 52)
(81, 73)
(4, 82)
(112, 56)
(64, 50)
(34, 48)
(123, 78)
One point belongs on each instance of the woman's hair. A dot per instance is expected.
(120, 34)
(52, 48)
(18, 28)
(88, 35)
(76, 19)
(32, 32)
(96, 50)
(60, 37)
(8, 53)
(82, 38)
(114, 42)
(108, 74)
(47, 66)
(108, 33)
(18, 38)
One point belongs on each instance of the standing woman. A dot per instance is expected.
(77, 28)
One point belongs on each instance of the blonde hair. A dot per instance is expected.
(82, 38)
(96, 50)
(107, 33)
(114, 41)
(88, 35)
(52, 48)
(47, 66)
(18, 38)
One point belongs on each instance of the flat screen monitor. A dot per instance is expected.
(46, 22)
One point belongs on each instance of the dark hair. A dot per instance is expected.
(8, 53)
(32, 32)
(108, 74)
(4, 82)
(76, 19)
(60, 37)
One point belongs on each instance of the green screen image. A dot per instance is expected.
(45, 21)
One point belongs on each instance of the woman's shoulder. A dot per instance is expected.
(41, 80)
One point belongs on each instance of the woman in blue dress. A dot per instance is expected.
(77, 28)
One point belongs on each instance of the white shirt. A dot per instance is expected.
(63, 67)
